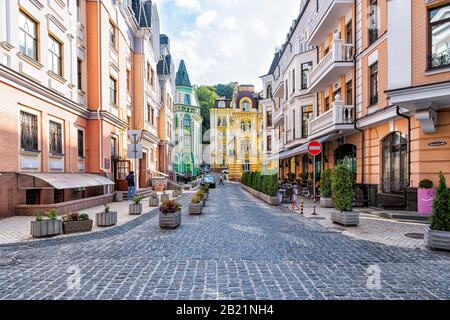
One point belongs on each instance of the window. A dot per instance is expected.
(246, 166)
(55, 138)
(243, 126)
(55, 57)
(152, 77)
(286, 89)
(395, 163)
(269, 119)
(373, 21)
(187, 140)
(349, 32)
(112, 36)
(349, 93)
(306, 112)
(327, 103)
(346, 155)
(58, 196)
(305, 68)
(269, 91)
(113, 91)
(28, 131)
(293, 124)
(187, 99)
(33, 196)
(152, 116)
(269, 143)
(245, 106)
(128, 81)
(293, 81)
(221, 104)
(79, 74)
(113, 147)
(187, 121)
(78, 11)
(439, 55)
(373, 72)
(28, 36)
(80, 143)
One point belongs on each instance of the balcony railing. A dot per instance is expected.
(439, 60)
(340, 52)
(338, 114)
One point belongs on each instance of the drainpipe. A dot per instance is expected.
(409, 141)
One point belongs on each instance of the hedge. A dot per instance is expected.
(267, 184)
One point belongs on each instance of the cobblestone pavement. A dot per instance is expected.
(239, 248)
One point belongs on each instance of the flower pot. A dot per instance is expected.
(437, 240)
(170, 220)
(195, 208)
(77, 226)
(326, 202)
(345, 218)
(106, 219)
(46, 228)
(153, 202)
(165, 197)
(135, 209)
(118, 196)
(425, 198)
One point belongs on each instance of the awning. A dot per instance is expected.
(70, 180)
(297, 151)
(160, 173)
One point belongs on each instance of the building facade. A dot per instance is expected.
(237, 132)
(69, 82)
(188, 152)
(357, 95)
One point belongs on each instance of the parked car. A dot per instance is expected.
(210, 181)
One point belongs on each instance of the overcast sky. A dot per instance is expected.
(226, 40)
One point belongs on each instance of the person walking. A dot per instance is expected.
(221, 180)
(131, 186)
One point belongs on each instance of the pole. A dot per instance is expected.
(314, 188)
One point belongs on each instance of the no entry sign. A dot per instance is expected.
(314, 148)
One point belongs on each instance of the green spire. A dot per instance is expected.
(182, 78)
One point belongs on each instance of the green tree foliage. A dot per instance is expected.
(440, 219)
(206, 97)
(225, 90)
(325, 183)
(342, 182)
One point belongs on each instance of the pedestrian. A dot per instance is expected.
(221, 180)
(131, 186)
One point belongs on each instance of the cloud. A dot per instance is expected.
(228, 23)
(191, 4)
(206, 18)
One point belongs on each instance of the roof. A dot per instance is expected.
(163, 39)
(182, 78)
(70, 180)
(276, 59)
(142, 12)
(248, 94)
(164, 65)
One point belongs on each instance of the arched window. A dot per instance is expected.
(245, 106)
(221, 104)
(269, 91)
(395, 163)
(243, 128)
(186, 121)
(187, 99)
(346, 154)
(249, 126)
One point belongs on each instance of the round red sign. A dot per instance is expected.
(314, 148)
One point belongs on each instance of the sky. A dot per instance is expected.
(223, 41)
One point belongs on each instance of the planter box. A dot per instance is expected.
(118, 197)
(274, 201)
(77, 226)
(106, 219)
(437, 240)
(170, 220)
(195, 208)
(176, 193)
(327, 202)
(153, 202)
(345, 218)
(165, 197)
(46, 228)
(135, 209)
(425, 198)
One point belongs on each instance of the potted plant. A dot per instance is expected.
(165, 196)
(107, 218)
(425, 197)
(51, 226)
(136, 206)
(326, 199)
(75, 222)
(170, 214)
(195, 207)
(178, 191)
(437, 235)
(154, 200)
(342, 182)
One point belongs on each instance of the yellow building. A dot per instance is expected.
(236, 132)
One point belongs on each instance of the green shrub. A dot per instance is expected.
(325, 183)
(52, 214)
(138, 199)
(426, 184)
(38, 217)
(440, 219)
(83, 217)
(342, 188)
(267, 184)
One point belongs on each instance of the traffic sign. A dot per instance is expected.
(134, 151)
(314, 148)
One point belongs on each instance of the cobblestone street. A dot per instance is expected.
(239, 248)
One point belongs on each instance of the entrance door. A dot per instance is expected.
(121, 170)
(143, 178)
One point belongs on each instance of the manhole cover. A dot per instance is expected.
(418, 236)
(6, 261)
(316, 218)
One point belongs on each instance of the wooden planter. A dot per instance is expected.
(345, 218)
(153, 202)
(170, 220)
(437, 240)
(135, 209)
(46, 228)
(165, 197)
(195, 208)
(327, 202)
(77, 226)
(106, 219)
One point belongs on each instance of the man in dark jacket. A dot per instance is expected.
(131, 186)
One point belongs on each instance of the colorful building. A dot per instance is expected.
(236, 133)
(188, 153)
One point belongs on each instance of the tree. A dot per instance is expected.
(206, 98)
(440, 219)
(325, 183)
(225, 90)
(342, 182)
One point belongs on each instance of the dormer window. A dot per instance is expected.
(221, 104)
(245, 106)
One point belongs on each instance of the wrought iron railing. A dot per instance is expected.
(394, 185)
(439, 60)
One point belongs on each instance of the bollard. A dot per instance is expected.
(302, 206)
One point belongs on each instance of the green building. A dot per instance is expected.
(187, 155)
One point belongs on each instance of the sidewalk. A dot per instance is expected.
(17, 229)
(372, 227)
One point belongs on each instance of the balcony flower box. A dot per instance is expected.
(46, 228)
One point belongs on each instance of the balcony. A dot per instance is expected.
(339, 118)
(336, 63)
(326, 19)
